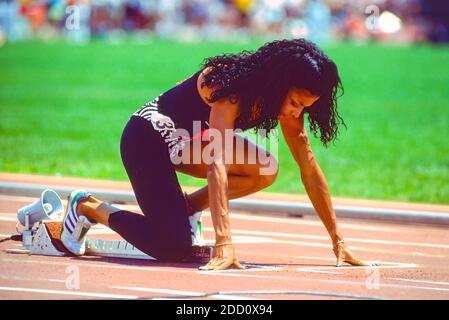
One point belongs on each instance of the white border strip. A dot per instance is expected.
(70, 293)
(182, 293)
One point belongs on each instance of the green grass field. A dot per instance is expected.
(63, 107)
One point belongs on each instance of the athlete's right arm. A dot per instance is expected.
(222, 118)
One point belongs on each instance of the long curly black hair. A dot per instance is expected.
(260, 80)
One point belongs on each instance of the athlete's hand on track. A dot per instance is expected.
(343, 254)
(224, 257)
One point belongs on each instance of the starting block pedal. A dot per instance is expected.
(46, 240)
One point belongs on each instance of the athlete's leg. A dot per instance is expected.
(96, 210)
(244, 177)
(163, 231)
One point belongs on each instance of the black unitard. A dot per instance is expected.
(148, 142)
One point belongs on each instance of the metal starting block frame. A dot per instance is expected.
(114, 249)
(45, 240)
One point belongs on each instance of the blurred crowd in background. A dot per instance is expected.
(225, 20)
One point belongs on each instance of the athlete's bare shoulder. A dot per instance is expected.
(206, 91)
(203, 90)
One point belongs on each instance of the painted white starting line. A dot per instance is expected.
(149, 268)
(228, 272)
(382, 265)
(382, 285)
(182, 293)
(19, 278)
(421, 281)
(70, 293)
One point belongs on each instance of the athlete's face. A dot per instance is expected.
(295, 102)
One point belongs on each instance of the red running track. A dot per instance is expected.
(288, 258)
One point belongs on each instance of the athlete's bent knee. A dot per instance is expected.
(268, 173)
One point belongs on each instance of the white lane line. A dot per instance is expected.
(247, 239)
(395, 252)
(423, 288)
(355, 248)
(70, 293)
(229, 272)
(146, 269)
(251, 269)
(182, 293)
(159, 290)
(8, 219)
(377, 261)
(326, 238)
(329, 281)
(19, 278)
(391, 266)
(315, 258)
(381, 285)
(238, 275)
(256, 276)
(321, 271)
(93, 265)
(285, 220)
(420, 281)
(400, 243)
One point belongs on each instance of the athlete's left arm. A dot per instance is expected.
(315, 183)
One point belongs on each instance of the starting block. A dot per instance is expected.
(46, 240)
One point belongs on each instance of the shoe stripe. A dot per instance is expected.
(70, 222)
(68, 227)
(73, 200)
(79, 196)
(73, 215)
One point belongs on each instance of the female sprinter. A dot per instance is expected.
(279, 83)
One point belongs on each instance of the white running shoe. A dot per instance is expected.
(196, 229)
(74, 226)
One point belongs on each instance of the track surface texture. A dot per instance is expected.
(287, 258)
